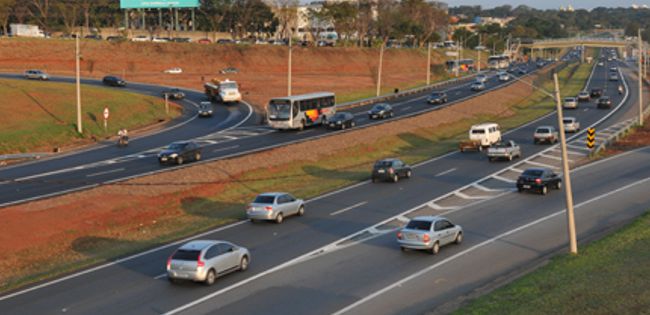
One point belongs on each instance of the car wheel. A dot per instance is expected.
(374, 180)
(243, 264)
(408, 174)
(279, 218)
(544, 190)
(535, 141)
(395, 178)
(211, 277)
(179, 160)
(558, 186)
(435, 249)
(253, 221)
(402, 248)
(197, 156)
(520, 190)
(459, 238)
(172, 280)
(301, 211)
(490, 159)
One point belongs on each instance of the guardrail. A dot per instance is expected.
(387, 97)
(21, 156)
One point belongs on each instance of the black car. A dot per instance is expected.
(341, 120)
(179, 152)
(390, 169)
(604, 102)
(181, 39)
(175, 94)
(538, 179)
(116, 39)
(113, 81)
(205, 109)
(522, 71)
(437, 98)
(380, 111)
(93, 36)
(596, 92)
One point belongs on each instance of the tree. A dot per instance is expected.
(286, 12)
(343, 15)
(6, 7)
(69, 12)
(216, 11)
(40, 10)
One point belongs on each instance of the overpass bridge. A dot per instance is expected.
(578, 41)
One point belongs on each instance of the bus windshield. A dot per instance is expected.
(279, 110)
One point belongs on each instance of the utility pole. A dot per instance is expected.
(77, 56)
(640, 57)
(458, 59)
(573, 244)
(290, 67)
(479, 53)
(429, 64)
(381, 63)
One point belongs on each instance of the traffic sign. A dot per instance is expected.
(591, 137)
(106, 113)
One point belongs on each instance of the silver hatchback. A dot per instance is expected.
(274, 206)
(205, 260)
(429, 233)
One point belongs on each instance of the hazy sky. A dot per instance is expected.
(549, 4)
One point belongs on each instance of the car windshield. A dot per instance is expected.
(419, 225)
(176, 146)
(436, 94)
(533, 173)
(567, 121)
(228, 85)
(279, 110)
(184, 254)
(569, 99)
(339, 116)
(264, 199)
(478, 131)
(379, 107)
(543, 130)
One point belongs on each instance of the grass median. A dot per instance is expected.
(170, 216)
(610, 276)
(40, 115)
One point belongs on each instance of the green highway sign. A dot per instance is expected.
(156, 4)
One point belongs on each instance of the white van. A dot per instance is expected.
(487, 134)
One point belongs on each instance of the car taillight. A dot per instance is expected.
(200, 263)
(399, 235)
(268, 208)
(538, 180)
(391, 170)
(426, 238)
(169, 262)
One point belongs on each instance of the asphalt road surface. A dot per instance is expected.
(233, 131)
(342, 255)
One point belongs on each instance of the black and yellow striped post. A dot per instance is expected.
(591, 137)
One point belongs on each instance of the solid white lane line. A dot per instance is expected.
(465, 196)
(483, 188)
(542, 164)
(436, 206)
(477, 246)
(445, 172)
(106, 172)
(553, 157)
(226, 148)
(160, 276)
(349, 208)
(405, 108)
(503, 179)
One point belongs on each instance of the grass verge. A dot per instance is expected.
(190, 212)
(610, 276)
(43, 115)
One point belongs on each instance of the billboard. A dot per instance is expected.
(156, 4)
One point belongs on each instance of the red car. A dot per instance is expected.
(204, 41)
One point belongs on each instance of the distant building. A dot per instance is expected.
(493, 20)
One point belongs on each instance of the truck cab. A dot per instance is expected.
(223, 91)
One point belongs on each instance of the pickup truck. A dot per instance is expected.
(504, 150)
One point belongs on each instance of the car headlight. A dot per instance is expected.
(173, 155)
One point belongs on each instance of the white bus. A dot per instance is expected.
(498, 62)
(300, 111)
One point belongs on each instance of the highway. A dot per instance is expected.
(331, 259)
(234, 131)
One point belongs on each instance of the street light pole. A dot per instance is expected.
(640, 57)
(573, 244)
(78, 79)
(478, 64)
(289, 67)
(381, 62)
(429, 64)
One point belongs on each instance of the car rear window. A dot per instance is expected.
(567, 121)
(569, 99)
(543, 130)
(183, 254)
(533, 173)
(264, 199)
(419, 225)
(379, 164)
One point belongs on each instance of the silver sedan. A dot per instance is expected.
(205, 260)
(274, 206)
(429, 233)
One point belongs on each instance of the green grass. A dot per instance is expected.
(609, 276)
(42, 115)
(304, 179)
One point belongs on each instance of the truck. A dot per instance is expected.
(26, 30)
(223, 91)
(504, 150)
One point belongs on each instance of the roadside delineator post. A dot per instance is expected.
(106, 113)
(591, 138)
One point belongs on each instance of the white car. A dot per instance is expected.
(477, 86)
(160, 40)
(176, 70)
(487, 134)
(571, 124)
(141, 38)
(570, 102)
(36, 75)
(482, 78)
(504, 76)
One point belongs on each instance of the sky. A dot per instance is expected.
(549, 4)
